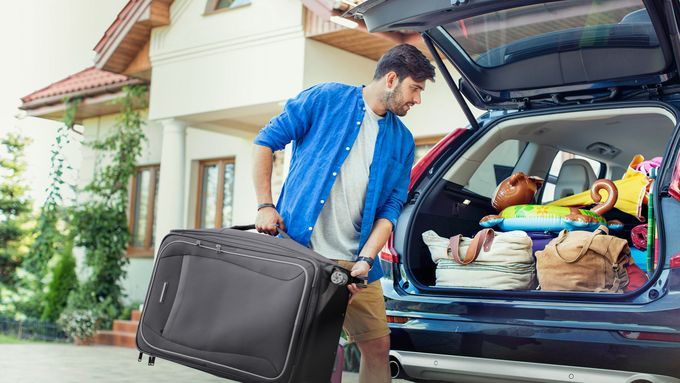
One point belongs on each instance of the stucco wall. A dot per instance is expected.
(245, 56)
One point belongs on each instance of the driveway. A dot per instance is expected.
(65, 363)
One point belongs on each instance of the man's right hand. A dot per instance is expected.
(267, 220)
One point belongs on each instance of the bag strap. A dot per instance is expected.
(483, 239)
(563, 235)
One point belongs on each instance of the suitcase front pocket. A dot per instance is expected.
(241, 311)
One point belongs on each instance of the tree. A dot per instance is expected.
(14, 205)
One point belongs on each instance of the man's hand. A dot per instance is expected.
(360, 268)
(267, 220)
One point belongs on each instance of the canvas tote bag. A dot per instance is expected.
(491, 260)
(584, 261)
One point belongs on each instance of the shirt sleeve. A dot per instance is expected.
(391, 209)
(292, 124)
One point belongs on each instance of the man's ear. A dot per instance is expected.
(391, 80)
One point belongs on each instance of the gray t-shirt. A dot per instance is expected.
(338, 228)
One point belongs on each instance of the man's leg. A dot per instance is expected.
(374, 366)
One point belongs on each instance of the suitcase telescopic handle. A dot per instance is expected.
(252, 227)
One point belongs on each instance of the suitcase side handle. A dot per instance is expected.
(252, 227)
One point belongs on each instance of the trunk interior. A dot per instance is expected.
(460, 193)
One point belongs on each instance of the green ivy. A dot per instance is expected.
(49, 238)
(101, 222)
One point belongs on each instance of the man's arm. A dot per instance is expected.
(292, 124)
(379, 235)
(267, 217)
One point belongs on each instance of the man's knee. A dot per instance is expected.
(375, 348)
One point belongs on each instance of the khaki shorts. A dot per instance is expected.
(366, 318)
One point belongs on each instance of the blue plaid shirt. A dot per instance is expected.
(323, 122)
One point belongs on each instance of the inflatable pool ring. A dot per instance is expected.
(557, 218)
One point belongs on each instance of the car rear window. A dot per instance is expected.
(506, 36)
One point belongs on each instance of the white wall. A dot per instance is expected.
(324, 63)
(245, 56)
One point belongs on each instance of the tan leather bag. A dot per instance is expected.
(584, 261)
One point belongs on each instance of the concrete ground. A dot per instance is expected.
(65, 363)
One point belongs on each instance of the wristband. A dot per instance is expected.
(263, 205)
(368, 260)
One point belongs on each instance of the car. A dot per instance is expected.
(572, 91)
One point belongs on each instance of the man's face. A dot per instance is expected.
(400, 96)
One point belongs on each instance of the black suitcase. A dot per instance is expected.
(244, 306)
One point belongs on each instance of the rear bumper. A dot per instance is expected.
(417, 365)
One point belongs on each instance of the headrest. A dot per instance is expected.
(576, 175)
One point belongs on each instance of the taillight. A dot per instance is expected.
(396, 319)
(387, 253)
(424, 163)
(658, 336)
(675, 261)
(674, 189)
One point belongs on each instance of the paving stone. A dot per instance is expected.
(65, 363)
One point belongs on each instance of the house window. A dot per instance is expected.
(215, 193)
(221, 5)
(142, 222)
(423, 145)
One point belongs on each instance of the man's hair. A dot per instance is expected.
(406, 61)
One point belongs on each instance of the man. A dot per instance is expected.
(347, 183)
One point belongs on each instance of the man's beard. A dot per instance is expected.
(394, 102)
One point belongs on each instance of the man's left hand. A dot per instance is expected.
(360, 268)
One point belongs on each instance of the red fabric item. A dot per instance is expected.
(639, 236)
(636, 277)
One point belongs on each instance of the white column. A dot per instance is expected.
(171, 201)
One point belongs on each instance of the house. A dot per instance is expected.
(218, 71)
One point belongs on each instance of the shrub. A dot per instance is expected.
(80, 324)
(64, 280)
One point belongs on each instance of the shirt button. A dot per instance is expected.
(358, 122)
(347, 148)
(363, 109)
(309, 228)
(335, 174)
(322, 201)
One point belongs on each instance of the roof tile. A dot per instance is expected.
(87, 79)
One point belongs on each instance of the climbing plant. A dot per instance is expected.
(101, 222)
(50, 239)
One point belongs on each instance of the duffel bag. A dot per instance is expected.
(491, 260)
(584, 261)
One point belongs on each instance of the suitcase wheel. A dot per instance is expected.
(339, 278)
